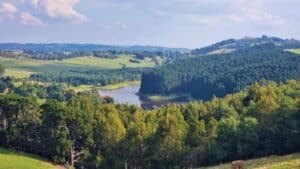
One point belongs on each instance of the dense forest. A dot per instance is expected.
(85, 133)
(94, 77)
(205, 76)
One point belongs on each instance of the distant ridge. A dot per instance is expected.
(73, 47)
(227, 46)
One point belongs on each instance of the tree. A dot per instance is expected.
(2, 70)
(109, 131)
(170, 136)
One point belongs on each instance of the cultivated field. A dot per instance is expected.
(21, 68)
(16, 160)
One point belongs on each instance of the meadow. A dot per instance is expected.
(24, 67)
(10, 159)
(291, 161)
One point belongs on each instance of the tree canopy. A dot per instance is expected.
(84, 133)
(217, 75)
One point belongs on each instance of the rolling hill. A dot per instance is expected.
(217, 75)
(231, 45)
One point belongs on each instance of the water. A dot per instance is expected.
(129, 95)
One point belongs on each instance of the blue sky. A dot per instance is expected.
(171, 23)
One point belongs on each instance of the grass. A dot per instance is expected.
(82, 88)
(24, 67)
(273, 162)
(20, 74)
(16, 160)
(162, 97)
(296, 51)
(108, 63)
(119, 85)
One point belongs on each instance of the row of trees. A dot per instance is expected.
(94, 77)
(84, 133)
(209, 75)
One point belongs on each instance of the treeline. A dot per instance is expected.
(262, 120)
(209, 75)
(93, 77)
(56, 54)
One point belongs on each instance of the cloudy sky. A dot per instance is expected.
(172, 23)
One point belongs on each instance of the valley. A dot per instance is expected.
(164, 109)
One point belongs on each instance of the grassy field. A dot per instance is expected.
(16, 160)
(119, 85)
(273, 162)
(297, 51)
(82, 88)
(20, 74)
(24, 67)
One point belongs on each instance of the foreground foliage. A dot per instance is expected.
(262, 120)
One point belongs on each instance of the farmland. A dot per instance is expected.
(24, 67)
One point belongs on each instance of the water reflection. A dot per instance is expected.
(129, 95)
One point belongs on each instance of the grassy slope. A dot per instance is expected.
(273, 162)
(297, 51)
(16, 160)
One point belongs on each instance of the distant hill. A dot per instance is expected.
(231, 45)
(69, 47)
(208, 75)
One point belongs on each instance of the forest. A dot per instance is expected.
(83, 132)
(206, 76)
(94, 77)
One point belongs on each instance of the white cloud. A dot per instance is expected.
(263, 18)
(8, 10)
(27, 19)
(63, 9)
(35, 3)
(237, 11)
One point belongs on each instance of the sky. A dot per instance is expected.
(169, 23)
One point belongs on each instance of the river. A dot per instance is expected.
(129, 95)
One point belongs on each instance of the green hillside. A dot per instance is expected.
(273, 162)
(206, 76)
(16, 160)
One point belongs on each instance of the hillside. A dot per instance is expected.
(15, 160)
(273, 162)
(205, 76)
(231, 45)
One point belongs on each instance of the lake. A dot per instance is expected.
(129, 95)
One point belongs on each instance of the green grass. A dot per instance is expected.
(24, 67)
(20, 74)
(162, 97)
(296, 51)
(16, 160)
(119, 85)
(108, 63)
(82, 88)
(273, 162)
